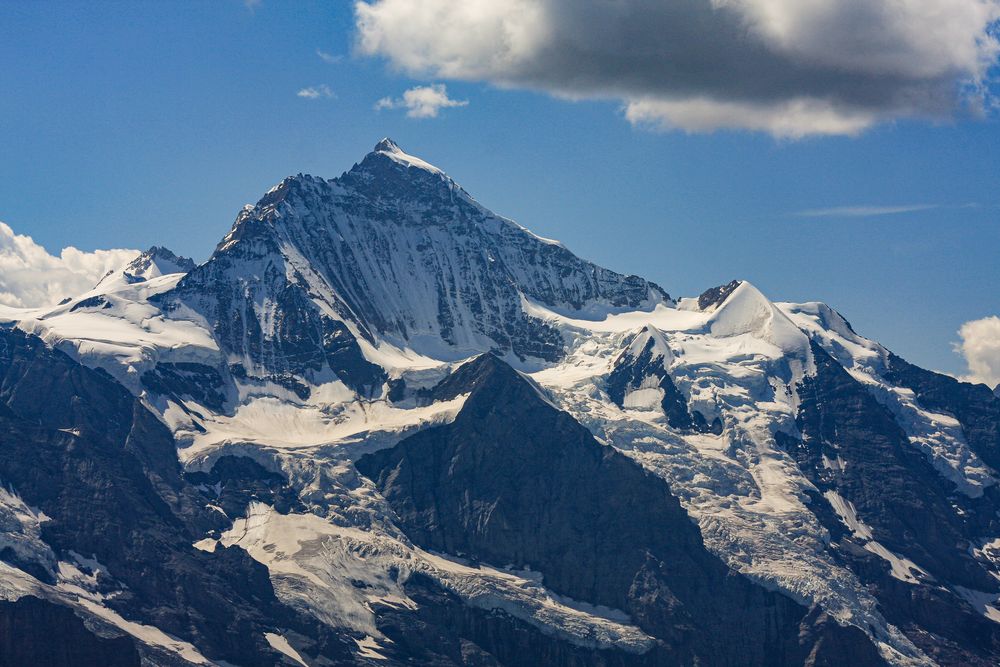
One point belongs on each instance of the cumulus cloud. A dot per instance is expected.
(30, 276)
(316, 92)
(981, 348)
(788, 67)
(421, 101)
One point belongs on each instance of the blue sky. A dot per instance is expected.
(132, 124)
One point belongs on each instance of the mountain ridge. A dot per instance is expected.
(342, 322)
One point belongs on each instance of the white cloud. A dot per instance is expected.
(863, 211)
(316, 92)
(981, 348)
(30, 276)
(421, 101)
(328, 57)
(791, 68)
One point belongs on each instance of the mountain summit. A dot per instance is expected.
(391, 253)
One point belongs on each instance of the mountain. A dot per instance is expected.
(383, 425)
(392, 252)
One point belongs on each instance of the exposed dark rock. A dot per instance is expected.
(38, 633)
(716, 295)
(975, 407)
(296, 341)
(443, 630)
(91, 302)
(198, 382)
(908, 506)
(631, 371)
(235, 481)
(895, 490)
(514, 481)
(80, 448)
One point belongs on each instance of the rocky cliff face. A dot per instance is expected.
(118, 521)
(36, 632)
(395, 250)
(513, 480)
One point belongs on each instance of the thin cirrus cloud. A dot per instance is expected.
(30, 276)
(316, 92)
(328, 58)
(786, 67)
(863, 211)
(421, 101)
(980, 346)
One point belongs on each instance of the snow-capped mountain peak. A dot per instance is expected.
(158, 261)
(393, 253)
(391, 149)
(745, 310)
(153, 263)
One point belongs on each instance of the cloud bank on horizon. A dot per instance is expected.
(791, 68)
(30, 276)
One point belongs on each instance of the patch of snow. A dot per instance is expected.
(901, 568)
(280, 644)
(388, 148)
(644, 399)
(369, 647)
(147, 634)
(987, 604)
(282, 424)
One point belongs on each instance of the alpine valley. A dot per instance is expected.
(382, 425)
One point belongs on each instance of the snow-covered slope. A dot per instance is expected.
(336, 319)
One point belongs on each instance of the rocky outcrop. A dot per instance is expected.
(643, 365)
(443, 630)
(82, 450)
(892, 518)
(513, 481)
(714, 296)
(39, 633)
(975, 407)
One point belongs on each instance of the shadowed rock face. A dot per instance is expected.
(975, 407)
(513, 481)
(630, 372)
(80, 448)
(442, 630)
(716, 295)
(37, 633)
(905, 504)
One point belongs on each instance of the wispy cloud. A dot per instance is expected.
(316, 92)
(862, 211)
(421, 101)
(328, 57)
(252, 5)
